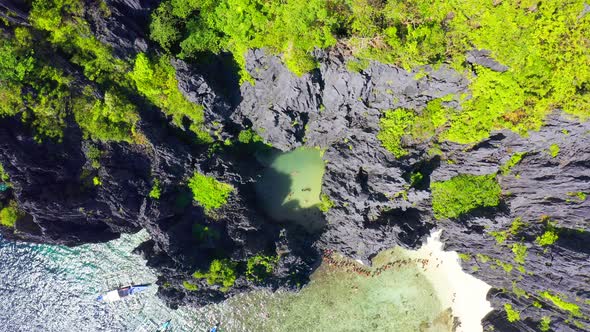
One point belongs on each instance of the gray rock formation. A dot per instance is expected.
(376, 205)
(376, 208)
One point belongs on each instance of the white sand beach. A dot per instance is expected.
(463, 293)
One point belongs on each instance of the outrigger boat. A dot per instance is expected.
(117, 294)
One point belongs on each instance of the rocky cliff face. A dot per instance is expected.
(376, 207)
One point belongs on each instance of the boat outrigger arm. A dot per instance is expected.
(117, 294)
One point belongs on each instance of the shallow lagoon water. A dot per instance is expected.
(396, 300)
(53, 288)
(289, 188)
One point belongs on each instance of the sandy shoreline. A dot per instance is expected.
(463, 293)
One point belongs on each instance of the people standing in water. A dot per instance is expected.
(351, 266)
(215, 328)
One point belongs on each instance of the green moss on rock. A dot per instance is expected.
(464, 193)
(9, 215)
(156, 190)
(511, 314)
(394, 125)
(189, 286)
(544, 324)
(325, 203)
(513, 161)
(156, 80)
(520, 252)
(210, 193)
(3, 175)
(554, 150)
(221, 272)
(260, 267)
(572, 308)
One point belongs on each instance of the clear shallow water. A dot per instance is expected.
(53, 288)
(398, 299)
(290, 187)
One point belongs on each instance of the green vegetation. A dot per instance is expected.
(34, 87)
(518, 291)
(548, 238)
(260, 267)
(464, 193)
(249, 136)
(393, 127)
(516, 226)
(96, 181)
(9, 215)
(357, 65)
(221, 272)
(210, 193)
(499, 236)
(542, 44)
(465, 257)
(482, 258)
(93, 155)
(189, 286)
(402, 124)
(520, 252)
(572, 308)
(31, 88)
(511, 314)
(111, 119)
(156, 190)
(156, 80)
(293, 28)
(550, 235)
(506, 266)
(554, 150)
(513, 161)
(581, 196)
(325, 203)
(67, 29)
(43, 94)
(415, 179)
(3, 175)
(544, 324)
(533, 35)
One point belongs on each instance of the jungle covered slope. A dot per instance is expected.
(471, 117)
(541, 48)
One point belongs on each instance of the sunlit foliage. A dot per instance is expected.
(156, 80)
(464, 193)
(210, 193)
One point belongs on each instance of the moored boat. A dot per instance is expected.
(117, 294)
